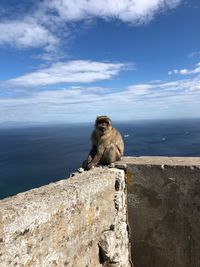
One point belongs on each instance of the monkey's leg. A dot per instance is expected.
(111, 154)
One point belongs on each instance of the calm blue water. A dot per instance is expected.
(34, 156)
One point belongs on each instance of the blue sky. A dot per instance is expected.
(64, 61)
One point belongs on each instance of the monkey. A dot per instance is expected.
(107, 144)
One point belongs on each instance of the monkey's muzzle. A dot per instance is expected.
(102, 129)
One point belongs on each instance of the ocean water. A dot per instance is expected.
(35, 156)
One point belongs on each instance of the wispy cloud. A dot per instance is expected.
(194, 54)
(186, 71)
(77, 71)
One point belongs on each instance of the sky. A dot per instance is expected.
(69, 61)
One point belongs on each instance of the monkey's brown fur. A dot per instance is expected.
(107, 144)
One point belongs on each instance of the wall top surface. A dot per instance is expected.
(148, 160)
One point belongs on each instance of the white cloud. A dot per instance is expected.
(77, 71)
(26, 34)
(186, 71)
(131, 11)
(46, 26)
(181, 97)
(140, 89)
(194, 54)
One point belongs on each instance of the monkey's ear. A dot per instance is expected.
(97, 118)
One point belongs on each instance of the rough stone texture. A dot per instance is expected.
(78, 222)
(164, 210)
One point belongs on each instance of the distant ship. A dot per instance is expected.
(126, 135)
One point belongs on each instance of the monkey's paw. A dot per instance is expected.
(84, 164)
(89, 166)
(80, 170)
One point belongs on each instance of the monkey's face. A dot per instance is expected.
(103, 125)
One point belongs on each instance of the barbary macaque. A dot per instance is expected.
(107, 144)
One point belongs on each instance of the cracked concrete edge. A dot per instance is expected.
(114, 243)
(157, 188)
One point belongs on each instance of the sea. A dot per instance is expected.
(32, 156)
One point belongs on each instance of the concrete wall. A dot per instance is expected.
(164, 210)
(79, 222)
(82, 221)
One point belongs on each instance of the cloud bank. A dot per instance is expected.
(159, 99)
(47, 26)
(131, 11)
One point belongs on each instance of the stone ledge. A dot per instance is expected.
(150, 160)
(64, 223)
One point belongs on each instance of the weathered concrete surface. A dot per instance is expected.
(164, 210)
(171, 161)
(79, 222)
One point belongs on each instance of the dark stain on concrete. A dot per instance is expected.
(148, 193)
(165, 223)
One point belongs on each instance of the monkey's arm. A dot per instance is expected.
(93, 150)
(96, 159)
(90, 157)
(92, 153)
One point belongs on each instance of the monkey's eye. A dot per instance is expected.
(103, 122)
